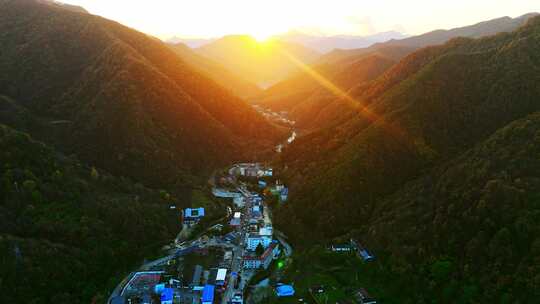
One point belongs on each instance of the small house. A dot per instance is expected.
(363, 297)
(208, 294)
(341, 248)
(283, 290)
(167, 296)
(193, 216)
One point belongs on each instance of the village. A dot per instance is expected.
(227, 259)
(216, 266)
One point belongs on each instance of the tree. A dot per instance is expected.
(259, 250)
(440, 270)
(94, 173)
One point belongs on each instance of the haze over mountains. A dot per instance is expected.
(310, 102)
(262, 63)
(325, 44)
(320, 43)
(221, 75)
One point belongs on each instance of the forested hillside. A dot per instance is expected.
(309, 97)
(431, 107)
(468, 231)
(227, 79)
(69, 232)
(313, 102)
(119, 99)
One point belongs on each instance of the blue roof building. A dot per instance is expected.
(118, 300)
(284, 194)
(366, 255)
(208, 294)
(167, 296)
(194, 212)
(192, 216)
(284, 291)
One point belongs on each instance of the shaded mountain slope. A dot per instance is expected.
(481, 29)
(476, 217)
(436, 104)
(309, 100)
(128, 102)
(217, 72)
(287, 95)
(67, 231)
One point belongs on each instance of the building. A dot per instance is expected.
(341, 248)
(268, 172)
(208, 294)
(118, 300)
(365, 255)
(263, 261)
(237, 299)
(167, 296)
(262, 184)
(221, 277)
(284, 194)
(197, 273)
(253, 240)
(252, 171)
(362, 252)
(239, 201)
(193, 216)
(283, 290)
(362, 297)
(256, 211)
(236, 219)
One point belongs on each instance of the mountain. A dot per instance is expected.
(428, 109)
(309, 100)
(239, 86)
(190, 42)
(261, 62)
(475, 217)
(437, 168)
(314, 106)
(119, 99)
(324, 44)
(70, 227)
(481, 29)
(70, 7)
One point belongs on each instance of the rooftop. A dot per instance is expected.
(194, 212)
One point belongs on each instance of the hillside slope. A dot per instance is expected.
(310, 100)
(217, 72)
(435, 104)
(122, 100)
(305, 102)
(262, 62)
(67, 231)
(477, 216)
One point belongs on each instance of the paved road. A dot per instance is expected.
(286, 246)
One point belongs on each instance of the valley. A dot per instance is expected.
(311, 166)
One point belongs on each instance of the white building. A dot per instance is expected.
(263, 261)
(220, 277)
(253, 240)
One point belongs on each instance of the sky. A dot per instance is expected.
(261, 19)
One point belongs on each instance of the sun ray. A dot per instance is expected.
(351, 102)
